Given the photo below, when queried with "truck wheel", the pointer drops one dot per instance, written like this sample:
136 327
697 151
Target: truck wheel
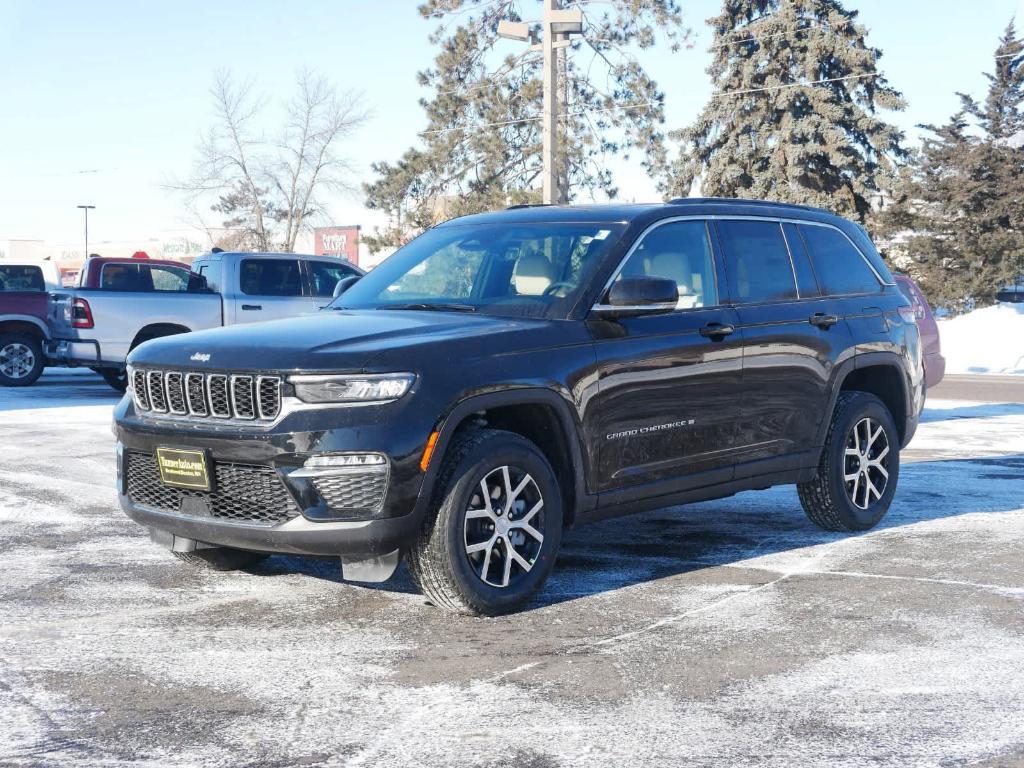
115 377
221 558
859 467
491 541
21 359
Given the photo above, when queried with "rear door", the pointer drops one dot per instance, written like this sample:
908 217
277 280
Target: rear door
792 340
270 288
665 414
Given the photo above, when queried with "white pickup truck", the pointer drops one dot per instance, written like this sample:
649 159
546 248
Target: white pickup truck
98 326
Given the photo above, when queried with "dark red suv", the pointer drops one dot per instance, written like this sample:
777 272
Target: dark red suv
934 362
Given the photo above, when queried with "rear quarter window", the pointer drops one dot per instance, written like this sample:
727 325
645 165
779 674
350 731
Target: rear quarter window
840 267
25 278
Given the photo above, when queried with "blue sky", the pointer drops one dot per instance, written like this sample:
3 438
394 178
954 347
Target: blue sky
100 102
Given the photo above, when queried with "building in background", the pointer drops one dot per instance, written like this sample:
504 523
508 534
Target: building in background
337 241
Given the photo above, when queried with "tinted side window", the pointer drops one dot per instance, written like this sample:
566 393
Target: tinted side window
757 260
22 279
325 275
121 277
271 277
840 268
169 279
805 279
678 251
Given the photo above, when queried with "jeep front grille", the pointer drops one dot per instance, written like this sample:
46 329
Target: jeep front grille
207 395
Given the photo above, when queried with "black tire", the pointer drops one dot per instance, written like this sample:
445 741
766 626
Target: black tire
828 500
439 561
117 378
221 559
21 359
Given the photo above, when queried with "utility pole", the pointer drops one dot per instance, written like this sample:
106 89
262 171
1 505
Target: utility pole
86 209
556 27
552 193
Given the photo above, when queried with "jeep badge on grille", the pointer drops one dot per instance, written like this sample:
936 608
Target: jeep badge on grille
200 357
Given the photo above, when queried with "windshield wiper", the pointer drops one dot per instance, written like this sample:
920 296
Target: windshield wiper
431 307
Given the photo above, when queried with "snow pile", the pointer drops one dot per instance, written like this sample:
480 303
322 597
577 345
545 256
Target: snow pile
989 340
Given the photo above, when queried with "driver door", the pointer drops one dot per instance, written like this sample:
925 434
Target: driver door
668 397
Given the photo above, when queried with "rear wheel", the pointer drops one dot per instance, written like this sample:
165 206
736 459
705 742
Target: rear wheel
492 541
859 467
115 377
221 558
21 359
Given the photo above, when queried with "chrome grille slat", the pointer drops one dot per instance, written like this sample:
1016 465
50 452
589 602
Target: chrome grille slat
140 390
243 400
268 396
157 394
195 391
174 385
220 402
242 397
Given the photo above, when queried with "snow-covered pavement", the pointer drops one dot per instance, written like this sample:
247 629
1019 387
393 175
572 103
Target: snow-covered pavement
730 632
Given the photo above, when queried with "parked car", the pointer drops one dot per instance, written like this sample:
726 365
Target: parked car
124 303
934 362
509 374
24 304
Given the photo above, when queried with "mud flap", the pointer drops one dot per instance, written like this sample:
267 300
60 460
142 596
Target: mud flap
370 569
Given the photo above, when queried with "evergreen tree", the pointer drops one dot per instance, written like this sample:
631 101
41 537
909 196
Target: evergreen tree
956 224
793 116
481 148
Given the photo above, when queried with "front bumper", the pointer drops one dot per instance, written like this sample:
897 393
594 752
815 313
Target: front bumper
278 453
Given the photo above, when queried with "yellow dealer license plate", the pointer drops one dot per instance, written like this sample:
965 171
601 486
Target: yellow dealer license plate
183 468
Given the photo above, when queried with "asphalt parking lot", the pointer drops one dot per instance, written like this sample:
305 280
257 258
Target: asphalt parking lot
730 632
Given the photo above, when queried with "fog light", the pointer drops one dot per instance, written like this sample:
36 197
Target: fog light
341 461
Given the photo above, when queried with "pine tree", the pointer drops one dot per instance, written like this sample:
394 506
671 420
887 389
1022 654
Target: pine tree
793 116
956 224
481 148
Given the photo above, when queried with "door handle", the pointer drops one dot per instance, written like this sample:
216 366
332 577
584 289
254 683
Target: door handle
717 330
252 307
821 320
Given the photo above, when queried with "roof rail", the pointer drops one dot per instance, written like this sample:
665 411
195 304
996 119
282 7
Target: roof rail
525 205
742 200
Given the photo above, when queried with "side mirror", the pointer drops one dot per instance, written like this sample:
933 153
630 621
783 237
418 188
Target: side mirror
198 284
344 284
632 296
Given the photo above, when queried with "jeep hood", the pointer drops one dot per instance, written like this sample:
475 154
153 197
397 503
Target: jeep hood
350 340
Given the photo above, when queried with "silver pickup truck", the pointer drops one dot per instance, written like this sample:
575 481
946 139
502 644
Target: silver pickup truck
98 327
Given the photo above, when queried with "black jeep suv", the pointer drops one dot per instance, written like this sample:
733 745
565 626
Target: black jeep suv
509 374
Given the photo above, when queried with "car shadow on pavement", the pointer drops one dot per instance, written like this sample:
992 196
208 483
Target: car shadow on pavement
59 391
979 411
623 552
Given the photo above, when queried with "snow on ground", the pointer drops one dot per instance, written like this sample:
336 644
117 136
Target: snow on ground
730 632
988 340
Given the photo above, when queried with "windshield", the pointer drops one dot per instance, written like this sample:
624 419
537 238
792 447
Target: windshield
520 270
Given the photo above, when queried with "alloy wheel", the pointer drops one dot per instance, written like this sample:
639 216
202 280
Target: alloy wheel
866 473
503 524
16 360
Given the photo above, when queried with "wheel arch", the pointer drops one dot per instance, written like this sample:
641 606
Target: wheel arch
881 374
24 324
541 416
158 330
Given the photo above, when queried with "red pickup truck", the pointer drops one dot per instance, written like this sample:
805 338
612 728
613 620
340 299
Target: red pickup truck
24 305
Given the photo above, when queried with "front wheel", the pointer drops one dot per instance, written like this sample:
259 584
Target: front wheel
21 359
492 541
859 467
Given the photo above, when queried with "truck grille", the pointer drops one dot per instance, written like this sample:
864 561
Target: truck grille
207 395
243 493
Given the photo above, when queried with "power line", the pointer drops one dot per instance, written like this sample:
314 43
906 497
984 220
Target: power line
800 85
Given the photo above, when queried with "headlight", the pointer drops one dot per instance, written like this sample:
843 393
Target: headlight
376 388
